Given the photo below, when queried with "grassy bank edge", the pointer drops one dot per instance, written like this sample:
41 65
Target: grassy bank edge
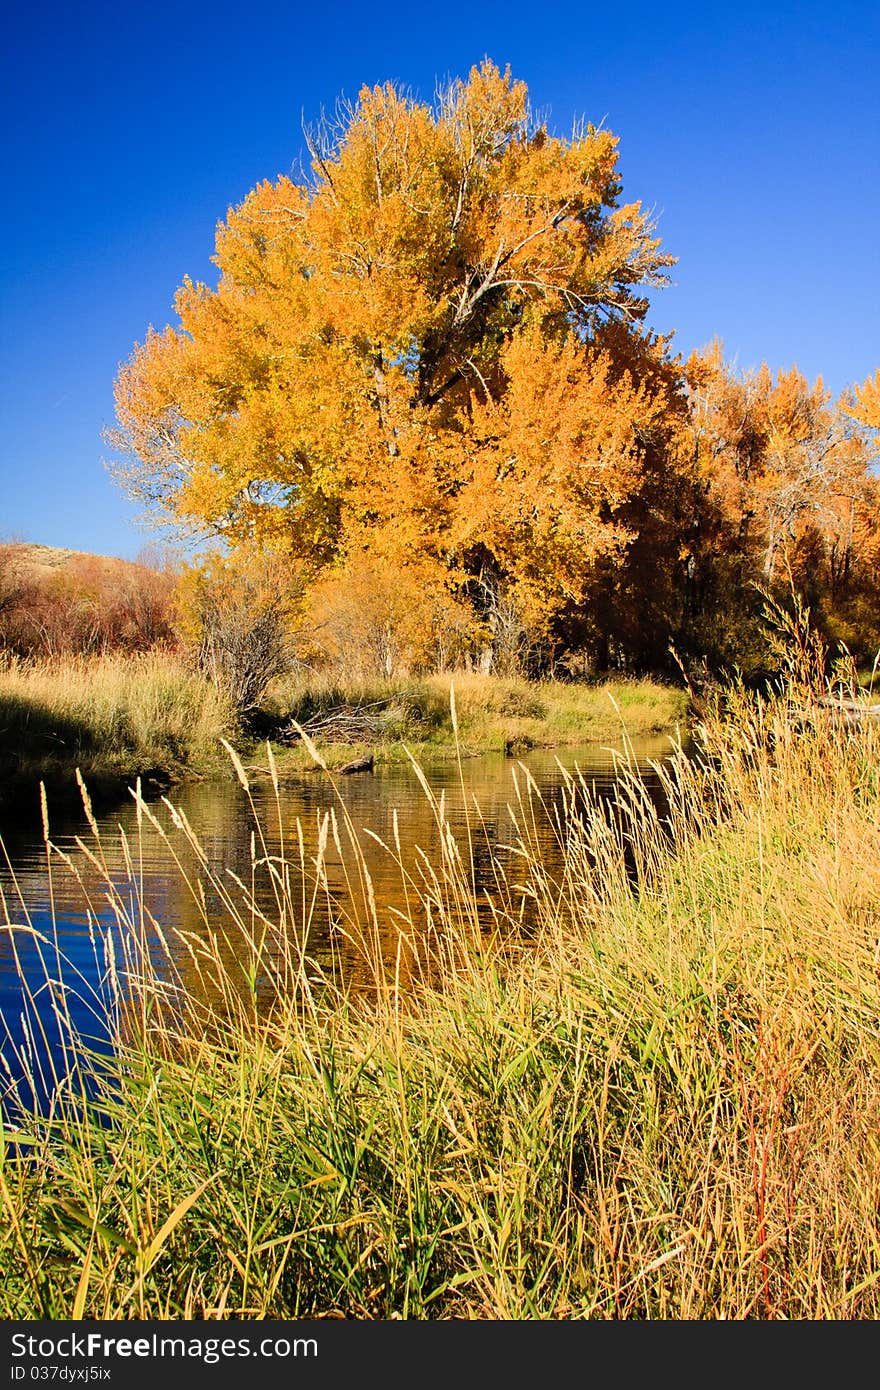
461 714
115 718
122 718
663 1105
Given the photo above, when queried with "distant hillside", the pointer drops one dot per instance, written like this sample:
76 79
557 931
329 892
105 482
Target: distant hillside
42 561
54 600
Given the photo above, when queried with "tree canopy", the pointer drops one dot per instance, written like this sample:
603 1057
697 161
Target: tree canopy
428 357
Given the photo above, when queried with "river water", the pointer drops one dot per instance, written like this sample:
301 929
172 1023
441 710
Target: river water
63 912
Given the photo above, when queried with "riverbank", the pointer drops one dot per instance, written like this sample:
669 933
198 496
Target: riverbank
115 718
122 717
663 1103
462 715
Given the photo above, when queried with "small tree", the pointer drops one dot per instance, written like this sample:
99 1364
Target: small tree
370 619
239 621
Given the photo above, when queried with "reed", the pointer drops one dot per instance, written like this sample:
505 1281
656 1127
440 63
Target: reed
645 1085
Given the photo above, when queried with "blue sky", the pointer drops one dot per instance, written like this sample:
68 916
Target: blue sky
752 131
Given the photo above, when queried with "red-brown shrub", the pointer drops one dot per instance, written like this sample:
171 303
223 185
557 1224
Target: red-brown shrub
85 604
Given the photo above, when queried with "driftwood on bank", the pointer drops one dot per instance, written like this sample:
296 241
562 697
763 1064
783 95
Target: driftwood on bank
850 711
342 724
845 713
364 764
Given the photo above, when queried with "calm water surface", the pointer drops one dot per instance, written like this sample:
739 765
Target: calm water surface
67 904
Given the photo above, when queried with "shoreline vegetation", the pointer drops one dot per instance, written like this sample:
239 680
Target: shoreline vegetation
115 718
660 1100
124 716
425 423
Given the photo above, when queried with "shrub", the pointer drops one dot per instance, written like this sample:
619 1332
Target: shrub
89 604
239 621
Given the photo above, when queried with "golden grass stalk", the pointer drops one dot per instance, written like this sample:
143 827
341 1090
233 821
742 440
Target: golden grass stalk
638 1079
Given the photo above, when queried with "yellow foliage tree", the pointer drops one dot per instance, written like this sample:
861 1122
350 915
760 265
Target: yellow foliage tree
367 619
240 619
864 404
428 352
789 497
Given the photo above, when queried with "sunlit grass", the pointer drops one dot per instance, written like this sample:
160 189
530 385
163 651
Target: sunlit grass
111 716
644 1085
495 715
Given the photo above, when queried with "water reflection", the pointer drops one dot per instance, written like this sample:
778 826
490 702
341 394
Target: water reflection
239 865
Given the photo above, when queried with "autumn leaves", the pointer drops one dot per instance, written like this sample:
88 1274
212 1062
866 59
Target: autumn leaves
428 360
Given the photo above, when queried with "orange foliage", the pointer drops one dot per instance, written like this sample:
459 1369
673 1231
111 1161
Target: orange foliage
388 343
423 375
369 619
790 499
865 407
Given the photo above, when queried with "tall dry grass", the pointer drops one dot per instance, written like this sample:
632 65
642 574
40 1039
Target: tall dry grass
111 716
495 714
642 1085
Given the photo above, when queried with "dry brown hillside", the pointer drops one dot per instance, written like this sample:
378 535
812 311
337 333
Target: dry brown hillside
42 561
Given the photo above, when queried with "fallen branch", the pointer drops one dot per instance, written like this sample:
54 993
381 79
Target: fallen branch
342 724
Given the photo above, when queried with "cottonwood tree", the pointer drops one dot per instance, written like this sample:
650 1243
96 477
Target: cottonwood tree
787 500
429 351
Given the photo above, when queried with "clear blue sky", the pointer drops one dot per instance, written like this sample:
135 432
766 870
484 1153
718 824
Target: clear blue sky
752 130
